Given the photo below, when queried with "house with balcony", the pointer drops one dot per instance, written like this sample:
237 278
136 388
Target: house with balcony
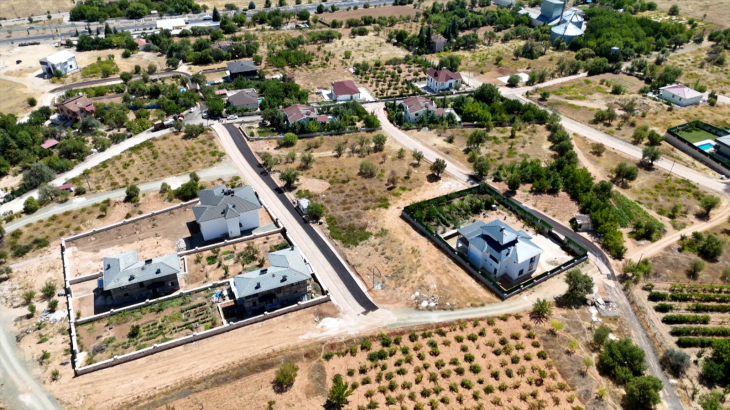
498 250
442 80
128 279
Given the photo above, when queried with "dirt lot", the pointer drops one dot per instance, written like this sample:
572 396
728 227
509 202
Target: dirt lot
671 265
580 99
315 375
394 254
151 237
102 339
25 8
718 13
696 68
653 189
153 160
15 97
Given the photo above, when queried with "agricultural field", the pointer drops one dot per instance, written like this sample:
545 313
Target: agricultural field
132 330
24 8
152 160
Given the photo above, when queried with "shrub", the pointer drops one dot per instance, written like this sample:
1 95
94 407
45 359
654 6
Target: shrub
467 384
621 360
285 375
663 307
686 319
675 361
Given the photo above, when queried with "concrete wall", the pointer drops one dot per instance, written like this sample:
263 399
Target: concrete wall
693 152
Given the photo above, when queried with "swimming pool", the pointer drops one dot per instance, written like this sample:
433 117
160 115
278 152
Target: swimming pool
706 146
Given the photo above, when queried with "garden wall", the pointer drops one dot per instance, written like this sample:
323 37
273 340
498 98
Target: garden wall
714 162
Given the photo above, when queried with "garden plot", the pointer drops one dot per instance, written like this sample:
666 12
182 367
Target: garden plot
152 236
136 329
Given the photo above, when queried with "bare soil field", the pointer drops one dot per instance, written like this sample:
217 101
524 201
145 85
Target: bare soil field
458 365
25 8
672 265
695 67
654 189
714 12
152 160
392 254
150 237
587 96
15 97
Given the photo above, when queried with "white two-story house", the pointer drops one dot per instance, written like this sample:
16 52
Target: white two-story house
497 249
442 80
226 213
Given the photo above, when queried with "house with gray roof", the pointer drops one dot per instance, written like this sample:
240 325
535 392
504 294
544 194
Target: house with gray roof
283 283
498 250
127 279
226 212
243 68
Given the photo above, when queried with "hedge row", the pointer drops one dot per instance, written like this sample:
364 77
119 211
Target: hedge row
664 307
700 331
658 296
700 288
701 307
699 297
695 342
688 319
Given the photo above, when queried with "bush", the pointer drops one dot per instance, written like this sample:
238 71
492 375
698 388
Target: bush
686 319
676 362
289 140
621 361
663 307
658 296
30 205
368 169
285 376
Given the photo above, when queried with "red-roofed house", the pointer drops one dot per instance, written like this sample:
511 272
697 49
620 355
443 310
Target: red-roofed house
416 107
441 80
345 91
303 113
76 108
67 187
140 43
221 92
49 143
681 95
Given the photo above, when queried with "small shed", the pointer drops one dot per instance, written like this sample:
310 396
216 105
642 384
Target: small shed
67 187
49 143
583 222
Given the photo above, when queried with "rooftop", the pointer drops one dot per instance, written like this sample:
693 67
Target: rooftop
245 97
49 143
502 239
346 87
418 103
297 112
287 267
243 66
78 103
59 57
124 269
681 90
221 202
443 76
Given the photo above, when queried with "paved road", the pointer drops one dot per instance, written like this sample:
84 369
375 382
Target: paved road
598 256
19 389
223 170
344 288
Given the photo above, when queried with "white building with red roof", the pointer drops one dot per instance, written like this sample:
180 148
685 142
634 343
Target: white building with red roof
303 113
681 95
442 80
417 107
345 91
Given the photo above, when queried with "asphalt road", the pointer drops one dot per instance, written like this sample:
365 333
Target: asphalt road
353 288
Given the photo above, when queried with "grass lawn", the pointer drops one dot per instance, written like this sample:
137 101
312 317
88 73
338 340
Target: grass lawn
697 135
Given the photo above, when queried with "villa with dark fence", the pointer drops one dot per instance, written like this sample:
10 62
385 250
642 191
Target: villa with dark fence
704 142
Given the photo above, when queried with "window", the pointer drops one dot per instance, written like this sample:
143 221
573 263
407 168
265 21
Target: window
521 272
532 259
141 285
493 258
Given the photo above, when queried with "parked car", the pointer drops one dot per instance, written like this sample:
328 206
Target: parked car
232 117
205 115
193 108
31 27
207 17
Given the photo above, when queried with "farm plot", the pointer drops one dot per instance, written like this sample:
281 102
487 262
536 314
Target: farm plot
132 330
490 363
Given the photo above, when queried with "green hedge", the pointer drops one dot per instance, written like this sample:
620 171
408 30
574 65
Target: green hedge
699 297
658 296
700 331
701 307
700 288
686 342
664 307
686 319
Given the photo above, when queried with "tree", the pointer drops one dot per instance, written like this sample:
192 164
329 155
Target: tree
675 362
32 101
621 361
417 156
30 205
438 166
481 166
28 296
216 14
673 10
579 285
151 69
172 62
655 138
251 5
650 155
368 169
289 140
132 193
48 290
695 267
216 105
708 203
307 159
31 310
716 369
712 401
514 181
315 211
642 393
573 346
379 142
725 277
136 11
600 335
126 76
339 392
290 176
134 331
513 80
53 305
640 134
588 363
624 172
541 310
38 174
285 375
